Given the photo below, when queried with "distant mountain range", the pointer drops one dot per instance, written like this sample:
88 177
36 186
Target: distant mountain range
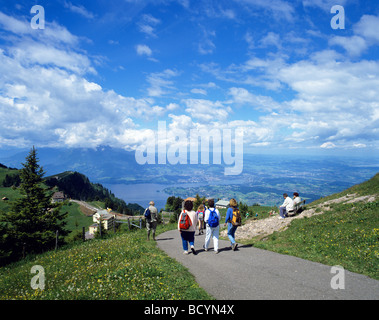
109 165
264 178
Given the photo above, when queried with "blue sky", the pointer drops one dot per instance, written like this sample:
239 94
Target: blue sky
105 72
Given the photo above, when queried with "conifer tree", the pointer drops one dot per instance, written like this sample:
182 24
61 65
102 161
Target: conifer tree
33 220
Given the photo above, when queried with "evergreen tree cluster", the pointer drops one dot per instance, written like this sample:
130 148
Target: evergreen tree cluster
33 222
174 204
11 180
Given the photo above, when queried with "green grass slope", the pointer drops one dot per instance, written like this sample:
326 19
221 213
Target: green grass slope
346 235
122 267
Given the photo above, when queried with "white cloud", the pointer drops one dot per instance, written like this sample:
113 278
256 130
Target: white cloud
46 99
359 145
79 10
328 145
278 8
52 34
365 35
143 49
325 5
368 27
160 83
271 39
206 110
199 91
206 44
147 25
172 106
354 45
243 96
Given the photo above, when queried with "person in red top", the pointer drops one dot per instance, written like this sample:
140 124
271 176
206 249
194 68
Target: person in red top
188 235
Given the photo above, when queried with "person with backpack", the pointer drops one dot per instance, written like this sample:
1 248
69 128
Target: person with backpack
212 220
233 220
151 217
200 216
187 226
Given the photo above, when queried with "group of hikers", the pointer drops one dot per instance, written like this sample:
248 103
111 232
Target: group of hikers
189 220
210 217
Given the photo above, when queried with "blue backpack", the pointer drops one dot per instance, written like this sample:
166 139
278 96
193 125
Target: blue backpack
147 214
213 219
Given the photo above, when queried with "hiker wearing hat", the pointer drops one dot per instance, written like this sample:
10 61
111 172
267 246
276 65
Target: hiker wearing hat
151 216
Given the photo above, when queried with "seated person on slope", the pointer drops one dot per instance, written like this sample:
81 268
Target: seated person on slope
286 207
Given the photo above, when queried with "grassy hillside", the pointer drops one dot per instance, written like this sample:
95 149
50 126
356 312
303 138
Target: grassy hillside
346 235
124 266
77 186
8 192
75 220
369 187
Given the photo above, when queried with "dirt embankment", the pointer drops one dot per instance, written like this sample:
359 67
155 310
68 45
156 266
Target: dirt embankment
269 225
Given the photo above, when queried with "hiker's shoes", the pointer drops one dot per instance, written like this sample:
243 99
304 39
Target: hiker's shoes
234 246
193 250
205 249
185 252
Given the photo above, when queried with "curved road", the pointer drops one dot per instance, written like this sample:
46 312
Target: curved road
254 274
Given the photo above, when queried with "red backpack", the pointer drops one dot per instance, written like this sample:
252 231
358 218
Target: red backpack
185 221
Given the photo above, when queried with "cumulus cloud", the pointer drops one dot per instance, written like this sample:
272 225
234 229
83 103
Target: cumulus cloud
326 99
207 110
365 35
46 97
243 96
328 145
161 83
143 49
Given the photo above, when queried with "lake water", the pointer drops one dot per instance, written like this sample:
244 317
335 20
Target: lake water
312 177
140 193
143 193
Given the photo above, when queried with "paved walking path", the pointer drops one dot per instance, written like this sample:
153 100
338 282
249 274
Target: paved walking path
252 274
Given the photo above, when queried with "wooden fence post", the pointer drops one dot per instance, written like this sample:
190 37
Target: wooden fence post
56 240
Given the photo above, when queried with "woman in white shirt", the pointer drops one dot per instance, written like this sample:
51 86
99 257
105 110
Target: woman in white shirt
296 198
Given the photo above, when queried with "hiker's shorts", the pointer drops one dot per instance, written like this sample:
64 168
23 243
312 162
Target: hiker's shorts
151 225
